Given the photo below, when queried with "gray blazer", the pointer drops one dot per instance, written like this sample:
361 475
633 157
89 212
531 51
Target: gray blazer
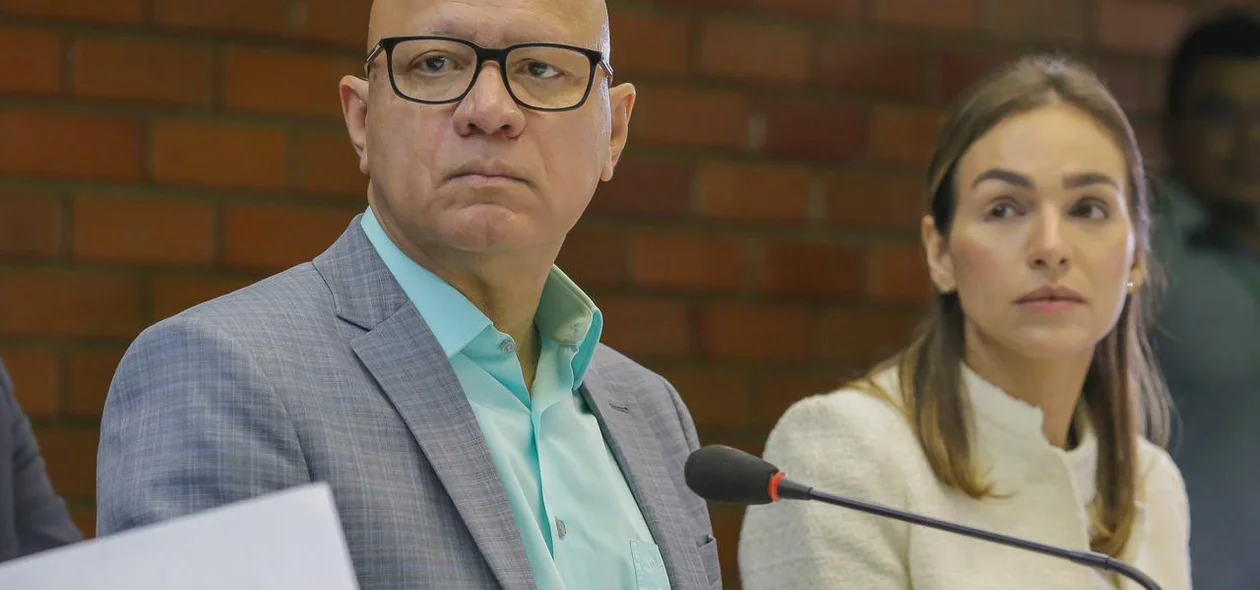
327 372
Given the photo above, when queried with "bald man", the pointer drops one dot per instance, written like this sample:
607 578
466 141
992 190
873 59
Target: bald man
433 365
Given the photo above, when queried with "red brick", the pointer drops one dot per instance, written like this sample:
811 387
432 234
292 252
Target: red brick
244 16
688 261
775 393
872 66
143 230
647 187
741 332
173 294
1023 20
141 70
56 303
716 397
726 527
955 15
755 52
1136 84
85 519
341 22
796 268
645 43
284 82
863 337
36 381
691 118
904 135
595 256
1147 27
722 4
41 143
88 376
814 129
898 274
868 198
30 61
328 166
70 457
754 193
838 10
959 70
30 225
213 153
261 236
110 11
653 327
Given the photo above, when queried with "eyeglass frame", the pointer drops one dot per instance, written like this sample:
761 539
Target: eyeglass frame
386 45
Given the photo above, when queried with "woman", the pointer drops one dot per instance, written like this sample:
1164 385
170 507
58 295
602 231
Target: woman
32 517
1022 405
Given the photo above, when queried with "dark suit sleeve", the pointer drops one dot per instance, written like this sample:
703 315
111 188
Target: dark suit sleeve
41 519
191 422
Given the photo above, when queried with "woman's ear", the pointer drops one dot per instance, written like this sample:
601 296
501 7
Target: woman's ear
940 263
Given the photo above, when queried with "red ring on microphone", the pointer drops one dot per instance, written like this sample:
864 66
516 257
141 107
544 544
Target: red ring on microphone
774 485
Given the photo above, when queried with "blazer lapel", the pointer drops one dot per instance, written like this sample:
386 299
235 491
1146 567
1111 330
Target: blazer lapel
637 451
413 371
400 351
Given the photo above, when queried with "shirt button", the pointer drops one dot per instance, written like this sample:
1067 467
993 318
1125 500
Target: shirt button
560 530
508 347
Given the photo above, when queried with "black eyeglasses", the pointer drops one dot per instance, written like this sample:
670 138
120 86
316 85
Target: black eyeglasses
442 70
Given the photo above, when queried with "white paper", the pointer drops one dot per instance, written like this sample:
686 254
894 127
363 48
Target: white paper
288 539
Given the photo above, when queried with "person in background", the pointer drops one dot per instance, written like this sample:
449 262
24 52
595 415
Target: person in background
1207 338
33 517
1022 405
434 366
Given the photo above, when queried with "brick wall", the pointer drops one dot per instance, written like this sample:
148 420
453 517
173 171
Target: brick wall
757 245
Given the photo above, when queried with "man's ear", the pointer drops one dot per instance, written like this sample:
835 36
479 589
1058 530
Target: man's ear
621 100
354 101
940 262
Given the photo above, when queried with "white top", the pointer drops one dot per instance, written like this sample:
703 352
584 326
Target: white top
857 445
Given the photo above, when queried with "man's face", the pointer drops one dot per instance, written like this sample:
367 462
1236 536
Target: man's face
484 174
1215 146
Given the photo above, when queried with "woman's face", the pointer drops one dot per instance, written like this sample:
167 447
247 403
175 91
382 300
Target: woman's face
1042 248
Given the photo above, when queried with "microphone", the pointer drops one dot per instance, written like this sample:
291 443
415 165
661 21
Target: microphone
730 476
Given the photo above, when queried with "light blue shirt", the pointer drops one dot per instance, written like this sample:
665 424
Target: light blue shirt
580 524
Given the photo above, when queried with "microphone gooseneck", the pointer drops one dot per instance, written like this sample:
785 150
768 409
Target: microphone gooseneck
730 476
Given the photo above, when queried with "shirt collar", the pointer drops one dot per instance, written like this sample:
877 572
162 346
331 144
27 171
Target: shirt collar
566 314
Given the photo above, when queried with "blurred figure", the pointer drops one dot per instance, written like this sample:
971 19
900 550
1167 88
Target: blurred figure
32 517
1208 331
433 365
1021 406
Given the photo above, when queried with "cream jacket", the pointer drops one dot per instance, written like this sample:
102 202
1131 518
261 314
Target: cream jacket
855 444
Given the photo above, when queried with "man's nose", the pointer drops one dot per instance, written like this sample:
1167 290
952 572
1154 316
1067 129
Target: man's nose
488 107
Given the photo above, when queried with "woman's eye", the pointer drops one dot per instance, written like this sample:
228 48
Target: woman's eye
1002 210
1090 209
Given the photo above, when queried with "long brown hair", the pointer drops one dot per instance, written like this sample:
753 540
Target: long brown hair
1124 394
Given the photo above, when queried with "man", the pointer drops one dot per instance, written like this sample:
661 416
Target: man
32 517
1208 335
433 365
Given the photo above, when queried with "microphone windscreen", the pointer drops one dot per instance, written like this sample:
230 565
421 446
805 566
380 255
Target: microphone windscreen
722 474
